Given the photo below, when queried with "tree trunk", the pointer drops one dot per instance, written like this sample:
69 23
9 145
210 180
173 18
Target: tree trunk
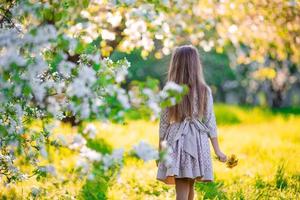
277 99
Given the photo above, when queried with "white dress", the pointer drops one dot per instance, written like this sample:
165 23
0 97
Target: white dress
190 147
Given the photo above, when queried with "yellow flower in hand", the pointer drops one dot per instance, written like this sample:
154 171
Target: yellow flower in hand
232 161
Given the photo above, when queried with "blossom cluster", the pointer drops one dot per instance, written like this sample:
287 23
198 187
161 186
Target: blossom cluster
139 24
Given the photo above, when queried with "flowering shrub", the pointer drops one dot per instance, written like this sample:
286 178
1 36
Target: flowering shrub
47 75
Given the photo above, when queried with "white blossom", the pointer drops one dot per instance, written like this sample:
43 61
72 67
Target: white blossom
117 154
107 35
148 92
53 106
121 74
85 109
107 161
128 1
65 67
87 74
115 158
83 164
123 98
35 191
38 89
61 138
144 151
91 176
114 19
96 57
134 99
81 86
78 88
170 85
173 100
10 56
48 169
43 151
90 154
78 142
91 130
154 107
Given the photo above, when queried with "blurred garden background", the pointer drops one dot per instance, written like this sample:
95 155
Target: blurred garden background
83 84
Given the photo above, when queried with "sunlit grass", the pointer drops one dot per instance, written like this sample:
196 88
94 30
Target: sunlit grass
267 145
261 140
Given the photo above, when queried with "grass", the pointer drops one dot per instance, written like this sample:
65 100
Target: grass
266 142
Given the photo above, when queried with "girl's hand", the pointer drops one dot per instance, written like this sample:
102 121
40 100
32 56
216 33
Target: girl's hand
221 156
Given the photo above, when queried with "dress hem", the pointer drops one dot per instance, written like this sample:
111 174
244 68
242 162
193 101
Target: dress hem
170 180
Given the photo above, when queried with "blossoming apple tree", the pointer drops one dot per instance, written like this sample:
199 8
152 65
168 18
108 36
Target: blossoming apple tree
260 37
49 75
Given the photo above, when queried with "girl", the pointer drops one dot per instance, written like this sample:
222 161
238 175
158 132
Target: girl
187 127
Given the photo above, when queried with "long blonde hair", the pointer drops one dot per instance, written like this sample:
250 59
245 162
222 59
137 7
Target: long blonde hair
185 68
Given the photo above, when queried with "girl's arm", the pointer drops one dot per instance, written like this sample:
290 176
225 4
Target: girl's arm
210 122
215 143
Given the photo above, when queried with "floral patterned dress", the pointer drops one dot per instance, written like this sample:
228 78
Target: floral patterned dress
189 154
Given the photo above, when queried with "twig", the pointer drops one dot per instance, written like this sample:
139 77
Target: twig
11 22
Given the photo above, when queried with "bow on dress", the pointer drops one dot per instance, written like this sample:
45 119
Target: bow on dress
188 129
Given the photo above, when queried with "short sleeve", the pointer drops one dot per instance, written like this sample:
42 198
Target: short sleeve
210 119
163 123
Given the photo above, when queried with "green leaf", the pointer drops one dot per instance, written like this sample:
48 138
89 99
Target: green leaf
85 3
58 16
48 14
